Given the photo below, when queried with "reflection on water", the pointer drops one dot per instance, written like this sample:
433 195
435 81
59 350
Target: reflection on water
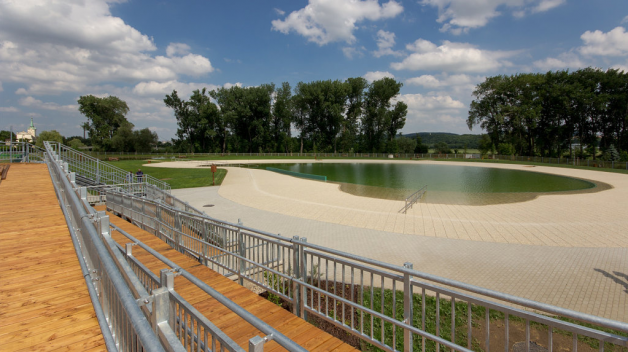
447 184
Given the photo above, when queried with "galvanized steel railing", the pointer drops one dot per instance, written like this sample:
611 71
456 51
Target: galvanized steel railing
136 310
413 198
387 306
103 173
16 152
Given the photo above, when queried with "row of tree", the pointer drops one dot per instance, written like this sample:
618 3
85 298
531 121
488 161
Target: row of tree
553 113
328 116
108 128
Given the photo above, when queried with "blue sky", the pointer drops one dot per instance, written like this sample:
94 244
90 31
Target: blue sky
52 52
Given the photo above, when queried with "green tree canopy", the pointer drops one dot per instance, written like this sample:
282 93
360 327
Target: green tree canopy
52 136
104 117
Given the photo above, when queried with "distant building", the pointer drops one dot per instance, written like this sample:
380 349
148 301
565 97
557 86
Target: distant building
30 135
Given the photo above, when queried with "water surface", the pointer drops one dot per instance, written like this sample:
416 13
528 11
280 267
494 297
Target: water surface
447 184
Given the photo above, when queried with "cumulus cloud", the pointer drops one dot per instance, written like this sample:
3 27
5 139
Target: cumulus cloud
38 104
352 52
435 112
429 81
458 16
8 109
72 45
326 21
451 57
377 75
563 61
385 43
613 43
625 20
177 49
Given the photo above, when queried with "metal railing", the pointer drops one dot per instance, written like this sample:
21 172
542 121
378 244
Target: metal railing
413 198
136 310
385 305
16 152
101 172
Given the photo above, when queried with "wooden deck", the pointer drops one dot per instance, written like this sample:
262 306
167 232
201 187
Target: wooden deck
300 331
44 303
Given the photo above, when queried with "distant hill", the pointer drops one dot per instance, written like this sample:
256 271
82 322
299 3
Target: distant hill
454 141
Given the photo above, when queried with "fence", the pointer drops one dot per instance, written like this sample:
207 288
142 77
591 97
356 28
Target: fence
387 306
136 310
17 152
536 159
102 173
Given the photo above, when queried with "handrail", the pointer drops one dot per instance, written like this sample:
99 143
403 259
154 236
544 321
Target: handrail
119 294
259 324
237 248
88 166
413 198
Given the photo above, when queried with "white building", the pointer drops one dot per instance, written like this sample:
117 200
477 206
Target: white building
30 135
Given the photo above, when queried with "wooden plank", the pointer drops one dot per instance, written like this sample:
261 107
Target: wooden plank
235 327
44 303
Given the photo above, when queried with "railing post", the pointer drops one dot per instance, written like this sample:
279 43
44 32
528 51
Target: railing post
407 307
296 298
161 308
256 344
241 252
303 275
166 279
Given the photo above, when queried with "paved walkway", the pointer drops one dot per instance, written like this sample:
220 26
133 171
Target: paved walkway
566 250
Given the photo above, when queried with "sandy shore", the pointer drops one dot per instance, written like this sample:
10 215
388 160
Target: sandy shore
568 220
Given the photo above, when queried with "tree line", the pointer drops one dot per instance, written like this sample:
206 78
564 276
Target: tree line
326 116
579 113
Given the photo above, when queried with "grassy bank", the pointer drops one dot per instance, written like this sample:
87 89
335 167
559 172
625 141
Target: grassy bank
177 178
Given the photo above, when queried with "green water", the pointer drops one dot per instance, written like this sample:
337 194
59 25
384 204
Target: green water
450 184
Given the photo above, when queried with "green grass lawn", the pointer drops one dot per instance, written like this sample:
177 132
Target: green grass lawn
177 178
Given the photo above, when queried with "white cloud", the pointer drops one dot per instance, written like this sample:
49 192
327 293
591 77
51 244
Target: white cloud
546 5
1 89
280 12
377 75
38 104
326 21
385 43
8 109
429 81
439 112
177 49
451 57
563 61
613 43
458 16
74 45
352 52
625 20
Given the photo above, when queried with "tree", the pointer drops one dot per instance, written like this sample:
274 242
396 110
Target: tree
75 143
406 145
442 148
122 141
420 147
351 123
145 140
283 114
485 144
51 136
104 117
378 121
6 135
198 121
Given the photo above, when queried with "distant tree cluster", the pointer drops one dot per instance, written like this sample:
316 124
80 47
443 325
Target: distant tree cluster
108 128
553 113
328 116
